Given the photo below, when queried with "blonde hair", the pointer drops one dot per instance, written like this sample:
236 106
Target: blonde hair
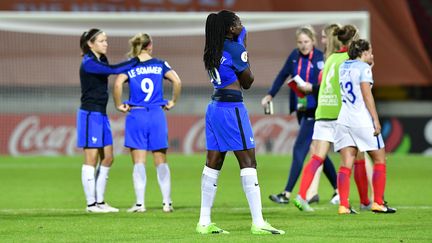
333 44
307 30
138 43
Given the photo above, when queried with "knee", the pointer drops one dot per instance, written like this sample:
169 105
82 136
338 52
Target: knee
248 164
107 161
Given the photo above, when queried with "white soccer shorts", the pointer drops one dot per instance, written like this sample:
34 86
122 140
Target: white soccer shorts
362 138
324 130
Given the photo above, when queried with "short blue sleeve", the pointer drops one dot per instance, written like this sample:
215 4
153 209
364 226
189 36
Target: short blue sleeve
239 57
165 67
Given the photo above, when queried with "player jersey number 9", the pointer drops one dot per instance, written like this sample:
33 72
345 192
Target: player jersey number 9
147 87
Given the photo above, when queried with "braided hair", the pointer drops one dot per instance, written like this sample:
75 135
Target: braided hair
217 26
357 47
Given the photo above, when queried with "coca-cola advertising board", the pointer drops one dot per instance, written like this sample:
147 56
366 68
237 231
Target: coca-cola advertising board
47 134
52 135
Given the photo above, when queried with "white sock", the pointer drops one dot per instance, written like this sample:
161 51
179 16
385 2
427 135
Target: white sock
139 180
88 182
208 192
101 181
251 188
164 179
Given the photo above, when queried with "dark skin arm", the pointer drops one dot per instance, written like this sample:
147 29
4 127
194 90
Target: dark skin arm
246 78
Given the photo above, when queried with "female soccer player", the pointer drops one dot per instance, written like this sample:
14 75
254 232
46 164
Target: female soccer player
228 127
329 104
93 127
331 45
307 62
146 125
358 127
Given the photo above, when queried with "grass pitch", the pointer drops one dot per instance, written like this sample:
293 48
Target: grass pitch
42 201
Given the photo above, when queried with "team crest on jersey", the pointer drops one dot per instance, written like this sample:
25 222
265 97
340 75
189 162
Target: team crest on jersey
320 65
244 56
368 72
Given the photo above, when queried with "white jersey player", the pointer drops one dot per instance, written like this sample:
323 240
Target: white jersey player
354 114
358 127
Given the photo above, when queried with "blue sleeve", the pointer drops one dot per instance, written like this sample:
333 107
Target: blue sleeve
239 58
92 65
165 67
242 36
282 76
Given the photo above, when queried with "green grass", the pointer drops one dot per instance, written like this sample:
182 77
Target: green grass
42 201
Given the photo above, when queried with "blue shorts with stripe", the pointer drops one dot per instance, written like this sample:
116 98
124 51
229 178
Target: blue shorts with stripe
93 129
228 127
146 129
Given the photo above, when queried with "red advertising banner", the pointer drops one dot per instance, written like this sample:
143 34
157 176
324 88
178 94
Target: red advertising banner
52 135
24 135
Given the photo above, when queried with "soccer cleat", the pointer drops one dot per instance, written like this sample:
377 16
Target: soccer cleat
365 207
345 210
105 206
95 209
279 198
302 204
335 199
167 208
137 209
266 229
376 208
314 199
210 229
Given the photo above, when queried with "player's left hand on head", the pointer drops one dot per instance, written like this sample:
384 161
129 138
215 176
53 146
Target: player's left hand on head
241 39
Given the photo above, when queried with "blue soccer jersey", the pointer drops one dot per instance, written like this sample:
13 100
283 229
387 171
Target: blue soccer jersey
146 126
146 83
234 61
228 127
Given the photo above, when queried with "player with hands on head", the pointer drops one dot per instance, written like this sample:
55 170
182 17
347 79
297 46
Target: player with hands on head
228 127
146 126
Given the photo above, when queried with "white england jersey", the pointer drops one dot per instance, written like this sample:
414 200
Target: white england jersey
354 112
